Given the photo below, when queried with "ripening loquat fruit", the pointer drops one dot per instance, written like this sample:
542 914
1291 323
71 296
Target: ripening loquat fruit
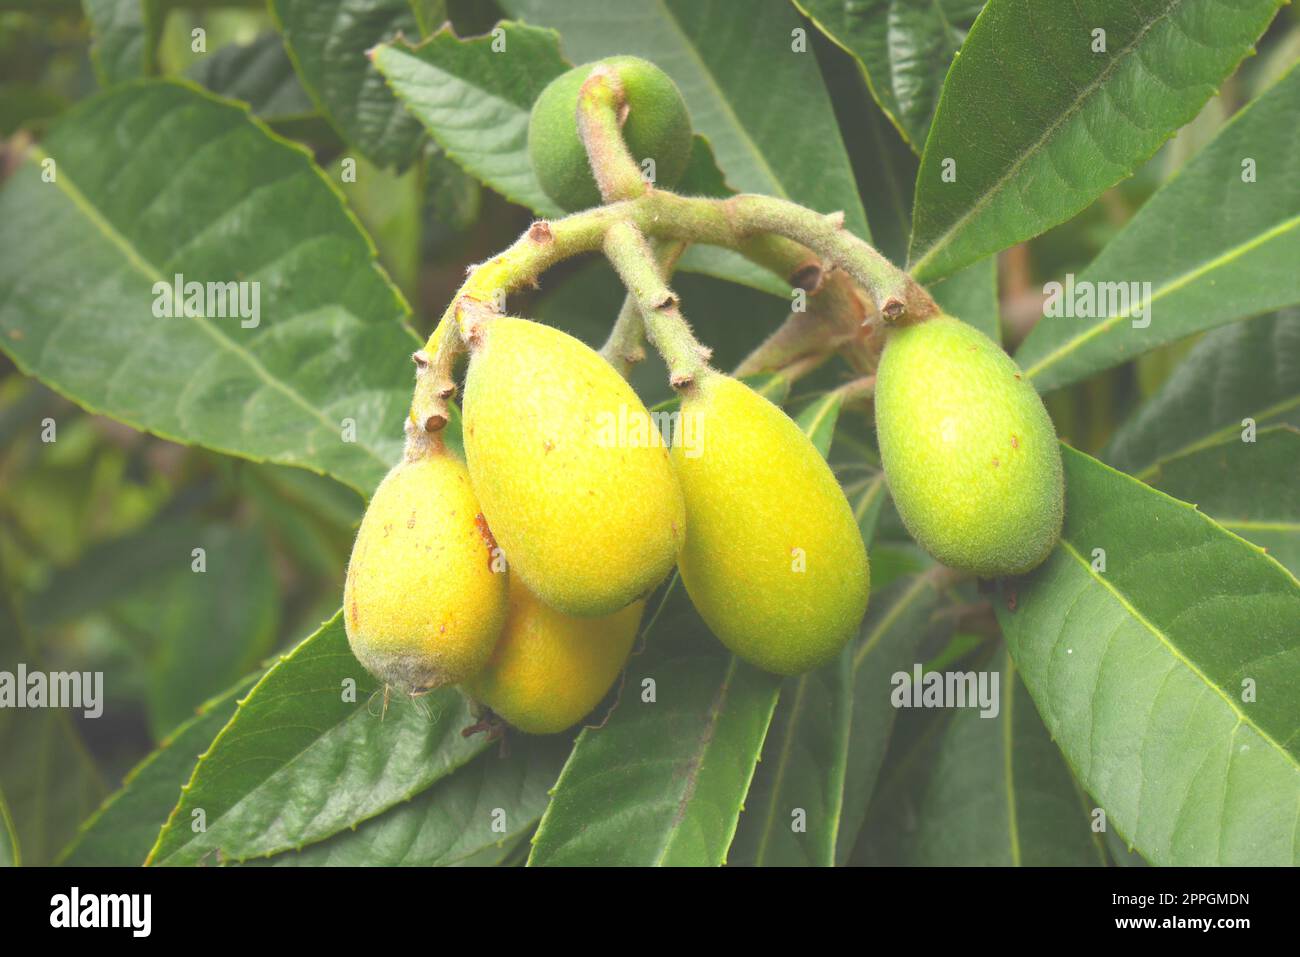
424 600
551 669
577 491
774 560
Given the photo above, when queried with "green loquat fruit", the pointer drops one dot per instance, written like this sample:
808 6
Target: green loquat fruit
969 451
657 127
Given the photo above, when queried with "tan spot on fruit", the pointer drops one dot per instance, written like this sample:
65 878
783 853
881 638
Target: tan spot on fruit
486 534
1015 441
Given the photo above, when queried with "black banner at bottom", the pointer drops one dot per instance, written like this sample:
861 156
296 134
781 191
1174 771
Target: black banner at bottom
336 906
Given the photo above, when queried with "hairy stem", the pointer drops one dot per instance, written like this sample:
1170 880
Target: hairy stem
665 326
625 346
895 293
602 110
834 320
732 223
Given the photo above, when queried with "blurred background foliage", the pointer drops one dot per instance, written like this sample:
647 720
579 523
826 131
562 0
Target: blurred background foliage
91 524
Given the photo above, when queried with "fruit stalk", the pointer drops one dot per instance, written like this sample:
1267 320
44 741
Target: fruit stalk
836 319
435 383
665 326
895 293
625 346
731 223
602 108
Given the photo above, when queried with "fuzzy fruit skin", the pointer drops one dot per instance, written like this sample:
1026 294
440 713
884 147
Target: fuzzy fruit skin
550 669
587 521
658 126
969 451
758 490
422 606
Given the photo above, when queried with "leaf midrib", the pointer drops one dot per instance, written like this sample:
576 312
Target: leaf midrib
922 582
1216 437
154 275
1084 94
1178 282
705 740
1177 653
787 745
747 141
1008 748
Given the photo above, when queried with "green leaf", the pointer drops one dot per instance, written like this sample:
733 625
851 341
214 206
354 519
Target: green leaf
702 176
429 14
10 854
388 205
904 49
475 102
867 499
1167 679
112 571
1121 855
1249 370
453 200
1039 125
999 793
1213 247
889 831
662 781
818 420
126 825
328 41
312 751
471 817
259 73
206 629
972 296
49 780
886 174
159 178
762 106
125 36
829 737
883 164
1250 488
